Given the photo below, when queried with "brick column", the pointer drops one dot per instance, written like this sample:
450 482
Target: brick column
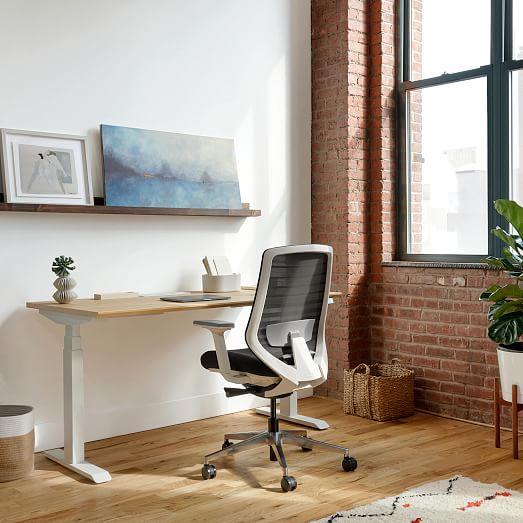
340 203
381 130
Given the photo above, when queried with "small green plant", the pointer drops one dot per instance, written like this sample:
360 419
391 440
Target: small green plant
505 314
63 266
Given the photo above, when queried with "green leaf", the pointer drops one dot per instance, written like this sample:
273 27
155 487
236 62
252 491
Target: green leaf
508 265
493 262
504 236
62 266
512 212
485 295
493 308
512 255
508 307
510 290
507 329
519 246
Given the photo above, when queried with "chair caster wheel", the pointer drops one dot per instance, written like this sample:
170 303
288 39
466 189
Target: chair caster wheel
349 464
226 444
288 483
306 449
208 471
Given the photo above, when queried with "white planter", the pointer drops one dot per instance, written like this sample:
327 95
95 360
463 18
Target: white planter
64 292
510 364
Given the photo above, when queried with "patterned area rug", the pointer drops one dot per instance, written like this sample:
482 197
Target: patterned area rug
449 500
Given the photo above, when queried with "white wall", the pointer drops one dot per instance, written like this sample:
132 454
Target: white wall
233 68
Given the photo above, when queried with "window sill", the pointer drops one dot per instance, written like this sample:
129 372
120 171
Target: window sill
438 265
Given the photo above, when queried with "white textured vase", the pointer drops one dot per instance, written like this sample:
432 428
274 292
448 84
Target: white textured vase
64 292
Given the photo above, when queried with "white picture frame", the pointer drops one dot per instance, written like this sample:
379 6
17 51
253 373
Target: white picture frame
45 168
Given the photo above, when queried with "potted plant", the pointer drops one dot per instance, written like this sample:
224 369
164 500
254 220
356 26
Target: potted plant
505 314
62 267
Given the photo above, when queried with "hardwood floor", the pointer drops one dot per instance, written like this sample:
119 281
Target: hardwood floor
156 474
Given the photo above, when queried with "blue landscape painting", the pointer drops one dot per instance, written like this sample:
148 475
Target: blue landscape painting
158 169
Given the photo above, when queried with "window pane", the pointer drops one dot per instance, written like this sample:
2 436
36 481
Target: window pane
517 136
449 36
447 168
517 18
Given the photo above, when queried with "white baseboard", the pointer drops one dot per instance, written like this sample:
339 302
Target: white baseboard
116 422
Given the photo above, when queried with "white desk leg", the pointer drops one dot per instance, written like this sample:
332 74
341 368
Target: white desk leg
289 412
72 456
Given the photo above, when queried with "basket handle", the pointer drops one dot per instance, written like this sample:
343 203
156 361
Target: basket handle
395 361
359 367
366 388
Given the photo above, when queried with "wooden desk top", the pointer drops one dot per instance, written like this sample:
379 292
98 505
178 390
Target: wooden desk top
144 305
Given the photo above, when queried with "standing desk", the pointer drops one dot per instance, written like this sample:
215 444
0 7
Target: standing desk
81 311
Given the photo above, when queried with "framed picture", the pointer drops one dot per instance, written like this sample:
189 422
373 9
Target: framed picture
45 168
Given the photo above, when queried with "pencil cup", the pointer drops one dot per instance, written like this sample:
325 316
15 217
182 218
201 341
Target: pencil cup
221 283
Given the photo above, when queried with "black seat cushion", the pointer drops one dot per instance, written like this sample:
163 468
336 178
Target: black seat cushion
242 360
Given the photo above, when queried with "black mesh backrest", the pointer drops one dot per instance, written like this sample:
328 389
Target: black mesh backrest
296 292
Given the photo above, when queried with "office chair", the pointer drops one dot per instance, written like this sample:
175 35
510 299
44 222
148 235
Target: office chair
286 350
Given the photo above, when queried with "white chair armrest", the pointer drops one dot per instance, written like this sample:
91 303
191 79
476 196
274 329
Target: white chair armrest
306 367
214 324
218 329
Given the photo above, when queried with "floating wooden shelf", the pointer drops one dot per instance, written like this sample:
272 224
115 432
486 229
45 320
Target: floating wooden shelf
100 208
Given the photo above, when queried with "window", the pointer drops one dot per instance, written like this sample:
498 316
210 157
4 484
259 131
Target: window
460 124
517 41
516 102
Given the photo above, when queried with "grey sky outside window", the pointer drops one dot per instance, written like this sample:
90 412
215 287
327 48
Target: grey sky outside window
517 105
450 216
518 29
451 40
517 134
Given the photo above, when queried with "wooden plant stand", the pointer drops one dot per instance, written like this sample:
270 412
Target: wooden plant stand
516 408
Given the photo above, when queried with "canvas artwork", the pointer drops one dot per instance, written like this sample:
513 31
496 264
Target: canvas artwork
158 169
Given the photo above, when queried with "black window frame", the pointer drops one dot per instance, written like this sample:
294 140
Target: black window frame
497 74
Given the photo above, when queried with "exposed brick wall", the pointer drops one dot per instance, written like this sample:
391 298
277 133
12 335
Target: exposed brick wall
428 317
431 319
340 170
381 131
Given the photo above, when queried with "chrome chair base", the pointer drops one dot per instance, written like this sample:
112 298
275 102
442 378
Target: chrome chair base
274 439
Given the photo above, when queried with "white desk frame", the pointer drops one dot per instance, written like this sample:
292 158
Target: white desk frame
288 411
72 456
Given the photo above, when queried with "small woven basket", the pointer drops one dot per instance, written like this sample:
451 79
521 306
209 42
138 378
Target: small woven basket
17 441
381 391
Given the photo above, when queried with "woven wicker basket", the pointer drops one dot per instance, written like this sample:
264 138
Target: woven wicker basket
381 391
17 441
